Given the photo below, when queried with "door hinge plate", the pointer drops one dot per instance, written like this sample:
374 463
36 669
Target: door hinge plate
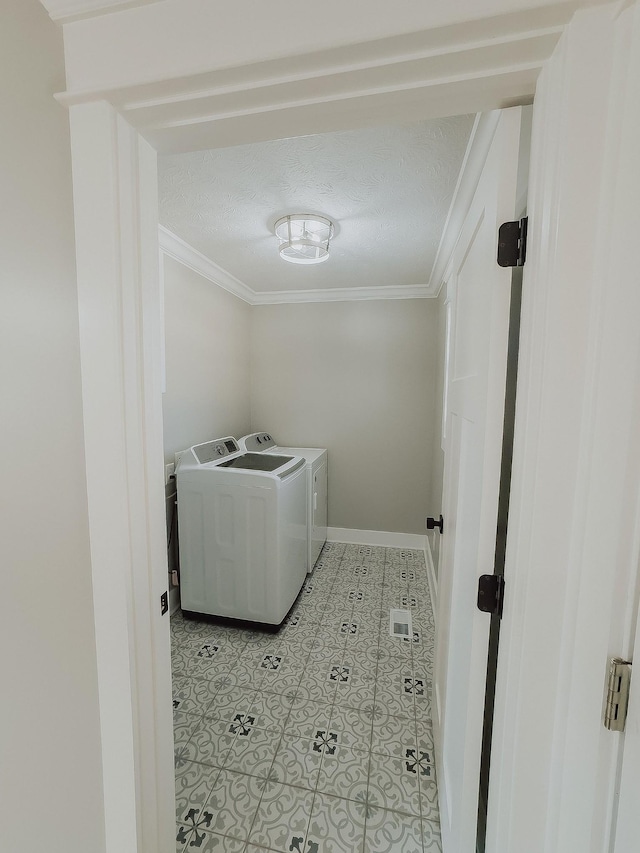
618 683
432 524
512 243
490 594
164 603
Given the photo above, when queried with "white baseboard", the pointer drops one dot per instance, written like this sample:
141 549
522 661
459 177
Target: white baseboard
415 541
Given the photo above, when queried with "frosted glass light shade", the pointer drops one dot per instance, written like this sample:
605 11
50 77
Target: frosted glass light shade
304 238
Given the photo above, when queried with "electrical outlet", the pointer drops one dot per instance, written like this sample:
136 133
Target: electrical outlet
169 471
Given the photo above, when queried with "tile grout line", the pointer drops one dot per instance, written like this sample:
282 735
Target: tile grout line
267 779
221 769
315 792
306 834
277 751
375 694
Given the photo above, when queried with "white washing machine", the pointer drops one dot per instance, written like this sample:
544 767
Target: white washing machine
242 527
316 459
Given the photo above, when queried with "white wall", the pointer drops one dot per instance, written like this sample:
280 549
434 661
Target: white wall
50 766
357 378
207 360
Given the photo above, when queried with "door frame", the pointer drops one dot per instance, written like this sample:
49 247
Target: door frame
115 188
117 251
489 205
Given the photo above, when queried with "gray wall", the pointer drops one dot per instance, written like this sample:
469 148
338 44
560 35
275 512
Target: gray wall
207 353
50 761
359 379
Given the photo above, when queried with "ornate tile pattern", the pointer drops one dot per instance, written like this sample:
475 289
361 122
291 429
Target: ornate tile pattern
320 734
242 724
325 742
414 685
341 674
414 639
419 762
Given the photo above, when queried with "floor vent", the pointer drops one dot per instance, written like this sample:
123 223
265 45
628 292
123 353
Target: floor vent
400 623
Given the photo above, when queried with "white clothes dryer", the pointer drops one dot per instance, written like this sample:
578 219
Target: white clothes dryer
242 527
317 492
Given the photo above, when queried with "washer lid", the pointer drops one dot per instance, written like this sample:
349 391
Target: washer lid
256 462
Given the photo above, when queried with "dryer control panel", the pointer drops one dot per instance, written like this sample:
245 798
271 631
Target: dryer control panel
259 441
211 451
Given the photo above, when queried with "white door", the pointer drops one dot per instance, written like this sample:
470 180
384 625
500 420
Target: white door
480 297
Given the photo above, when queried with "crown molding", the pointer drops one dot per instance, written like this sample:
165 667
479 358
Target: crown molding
344 294
64 11
475 157
192 96
178 249
181 251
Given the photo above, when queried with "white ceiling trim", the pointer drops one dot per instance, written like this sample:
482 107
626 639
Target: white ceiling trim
475 156
482 64
521 51
178 249
72 10
328 97
344 294
496 40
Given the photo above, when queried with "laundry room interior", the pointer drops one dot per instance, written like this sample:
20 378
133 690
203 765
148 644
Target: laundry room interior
348 356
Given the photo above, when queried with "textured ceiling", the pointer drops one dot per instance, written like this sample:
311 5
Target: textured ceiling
388 189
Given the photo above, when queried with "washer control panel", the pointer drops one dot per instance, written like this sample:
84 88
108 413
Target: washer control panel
211 451
259 441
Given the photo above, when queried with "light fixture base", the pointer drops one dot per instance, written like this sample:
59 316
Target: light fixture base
304 237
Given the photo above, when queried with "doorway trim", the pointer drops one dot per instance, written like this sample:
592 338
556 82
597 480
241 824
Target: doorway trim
116 220
115 197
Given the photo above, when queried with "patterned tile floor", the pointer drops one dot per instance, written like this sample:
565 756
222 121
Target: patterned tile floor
316 739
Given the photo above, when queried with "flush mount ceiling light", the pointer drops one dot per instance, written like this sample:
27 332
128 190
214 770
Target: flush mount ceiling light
304 238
